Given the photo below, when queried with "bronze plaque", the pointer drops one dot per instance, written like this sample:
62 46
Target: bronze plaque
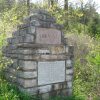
48 36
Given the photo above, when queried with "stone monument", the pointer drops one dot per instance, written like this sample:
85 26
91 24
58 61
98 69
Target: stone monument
42 59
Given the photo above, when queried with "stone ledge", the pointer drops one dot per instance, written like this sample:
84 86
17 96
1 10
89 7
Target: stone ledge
42 57
27 75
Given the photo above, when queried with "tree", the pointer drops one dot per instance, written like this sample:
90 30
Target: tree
66 5
28 7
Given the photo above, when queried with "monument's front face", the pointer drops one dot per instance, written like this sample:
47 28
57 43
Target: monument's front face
42 61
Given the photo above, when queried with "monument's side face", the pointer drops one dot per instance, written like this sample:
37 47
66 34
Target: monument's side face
42 60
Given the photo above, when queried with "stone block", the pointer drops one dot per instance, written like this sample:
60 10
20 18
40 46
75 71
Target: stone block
26 83
43 51
15 63
48 36
45 96
30 91
26 51
71 50
69 71
69 91
28 38
69 84
27 65
44 89
16 33
57 49
69 77
10 77
9 40
11 70
68 63
22 74
35 23
31 30
53 57
23 32
56 86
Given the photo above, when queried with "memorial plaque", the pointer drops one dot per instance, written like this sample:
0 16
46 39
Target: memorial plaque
51 72
48 36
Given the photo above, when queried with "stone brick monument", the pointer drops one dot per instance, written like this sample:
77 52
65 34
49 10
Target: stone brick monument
42 60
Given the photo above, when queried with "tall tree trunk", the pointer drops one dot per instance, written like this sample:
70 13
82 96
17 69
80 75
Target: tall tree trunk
28 7
66 5
66 14
52 3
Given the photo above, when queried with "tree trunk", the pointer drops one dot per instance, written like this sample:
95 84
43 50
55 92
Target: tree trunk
66 5
28 7
66 14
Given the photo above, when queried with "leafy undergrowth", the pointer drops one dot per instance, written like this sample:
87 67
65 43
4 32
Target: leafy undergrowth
11 92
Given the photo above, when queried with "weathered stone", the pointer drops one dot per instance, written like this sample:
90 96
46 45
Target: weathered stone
32 74
30 91
43 51
56 86
16 33
69 71
26 83
45 96
71 50
9 40
69 77
11 70
31 30
57 50
15 63
68 63
44 89
69 84
42 57
27 65
23 32
69 91
48 36
10 77
27 39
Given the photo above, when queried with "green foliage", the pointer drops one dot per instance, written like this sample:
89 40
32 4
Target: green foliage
87 69
94 25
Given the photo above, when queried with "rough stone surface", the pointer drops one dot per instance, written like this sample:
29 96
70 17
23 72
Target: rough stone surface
28 74
48 36
27 83
27 65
